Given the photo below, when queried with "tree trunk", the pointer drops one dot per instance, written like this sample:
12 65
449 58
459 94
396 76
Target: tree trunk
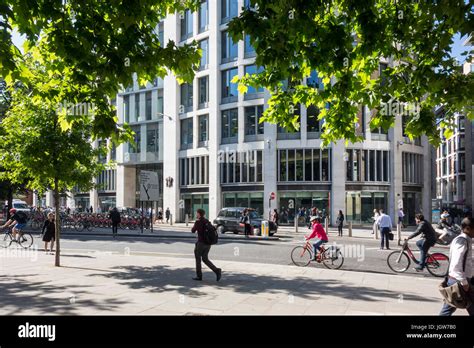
57 222
10 202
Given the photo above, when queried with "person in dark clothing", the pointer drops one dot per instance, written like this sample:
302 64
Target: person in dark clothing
245 219
427 240
49 232
114 216
275 217
201 250
167 215
340 222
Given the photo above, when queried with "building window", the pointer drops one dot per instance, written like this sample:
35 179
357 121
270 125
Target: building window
152 144
186 25
136 146
113 152
137 107
412 168
229 126
247 166
249 49
187 96
126 108
194 171
161 33
252 125
284 134
252 70
102 156
229 48
187 133
379 134
204 46
314 81
312 122
304 165
106 181
159 101
203 16
229 10
203 130
383 74
229 89
148 106
203 83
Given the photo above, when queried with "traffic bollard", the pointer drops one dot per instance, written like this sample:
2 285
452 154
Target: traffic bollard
375 231
399 233
350 228
186 219
296 225
171 219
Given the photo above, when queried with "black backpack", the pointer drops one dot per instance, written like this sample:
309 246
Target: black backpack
210 234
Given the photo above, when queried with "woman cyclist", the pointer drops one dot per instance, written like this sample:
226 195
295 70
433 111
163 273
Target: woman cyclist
317 232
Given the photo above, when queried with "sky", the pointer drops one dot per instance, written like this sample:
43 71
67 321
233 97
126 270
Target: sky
456 48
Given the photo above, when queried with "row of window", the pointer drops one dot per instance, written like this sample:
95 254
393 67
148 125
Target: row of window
367 165
229 10
412 165
107 180
242 167
148 106
152 139
187 131
194 170
452 165
304 165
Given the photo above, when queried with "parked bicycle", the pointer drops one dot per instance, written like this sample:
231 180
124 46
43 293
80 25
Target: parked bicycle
437 263
24 239
331 257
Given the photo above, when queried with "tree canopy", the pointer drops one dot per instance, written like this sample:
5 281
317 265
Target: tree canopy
102 44
344 41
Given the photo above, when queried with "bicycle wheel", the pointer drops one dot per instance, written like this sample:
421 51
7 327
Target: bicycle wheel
79 226
6 240
437 264
26 240
332 258
301 256
398 265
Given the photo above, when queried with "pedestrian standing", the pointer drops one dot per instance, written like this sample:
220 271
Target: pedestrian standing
167 215
375 218
275 217
340 222
460 265
160 216
91 210
49 232
114 216
385 224
401 215
245 219
201 250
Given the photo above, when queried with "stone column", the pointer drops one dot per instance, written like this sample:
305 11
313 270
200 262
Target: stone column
338 187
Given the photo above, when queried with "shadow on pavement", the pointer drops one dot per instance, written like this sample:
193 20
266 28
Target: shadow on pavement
53 299
161 279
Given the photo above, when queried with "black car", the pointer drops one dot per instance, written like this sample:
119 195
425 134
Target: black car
228 219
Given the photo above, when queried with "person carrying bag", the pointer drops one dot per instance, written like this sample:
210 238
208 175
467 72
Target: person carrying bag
457 288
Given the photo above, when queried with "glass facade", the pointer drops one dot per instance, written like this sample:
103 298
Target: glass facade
187 133
229 48
252 200
193 202
291 202
304 165
360 206
229 124
229 89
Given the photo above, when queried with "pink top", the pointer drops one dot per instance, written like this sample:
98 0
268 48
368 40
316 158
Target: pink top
318 232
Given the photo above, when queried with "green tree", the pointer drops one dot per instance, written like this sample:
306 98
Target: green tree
48 146
344 41
103 43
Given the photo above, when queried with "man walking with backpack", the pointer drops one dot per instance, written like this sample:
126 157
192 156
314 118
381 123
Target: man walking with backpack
205 230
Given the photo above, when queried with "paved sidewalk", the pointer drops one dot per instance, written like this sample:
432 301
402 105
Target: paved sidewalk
105 283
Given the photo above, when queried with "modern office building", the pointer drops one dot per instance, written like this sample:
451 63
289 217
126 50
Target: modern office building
209 150
214 153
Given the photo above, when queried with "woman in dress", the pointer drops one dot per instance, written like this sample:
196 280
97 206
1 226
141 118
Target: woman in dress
49 231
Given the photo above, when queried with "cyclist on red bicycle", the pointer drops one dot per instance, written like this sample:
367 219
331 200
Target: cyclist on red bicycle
318 232
19 219
427 240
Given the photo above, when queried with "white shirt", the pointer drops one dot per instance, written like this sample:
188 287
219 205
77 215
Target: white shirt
384 220
456 256
400 213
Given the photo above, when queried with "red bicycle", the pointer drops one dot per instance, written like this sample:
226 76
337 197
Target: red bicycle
331 257
399 261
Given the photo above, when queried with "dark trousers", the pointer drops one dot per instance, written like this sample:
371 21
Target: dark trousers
447 310
339 229
201 252
114 228
247 229
384 237
424 246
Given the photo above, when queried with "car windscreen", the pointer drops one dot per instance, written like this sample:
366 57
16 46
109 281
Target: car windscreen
20 206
